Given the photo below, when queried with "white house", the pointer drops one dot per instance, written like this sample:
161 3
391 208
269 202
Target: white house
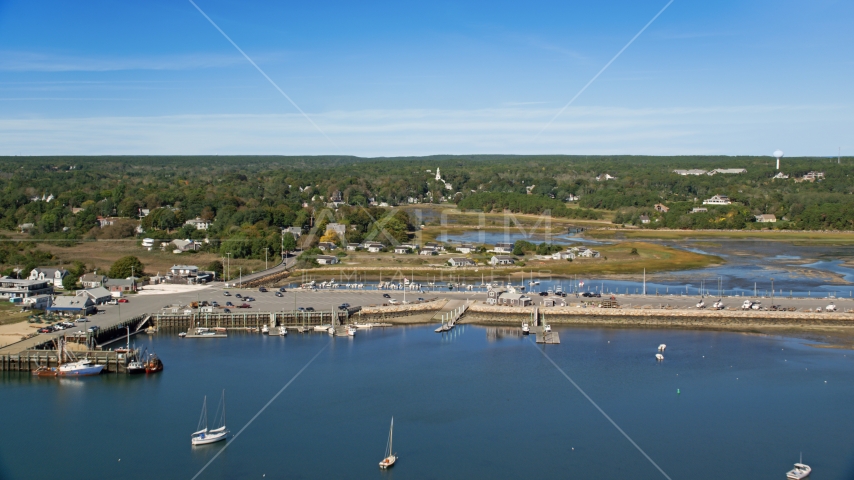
402 249
352 247
718 200
466 248
587 253
693 171
326 246
373 247
501 260
53 276
514 299
327 259
92 280
181 246
699 210
503 248
728 171
766 218
567 255
39 302
198 223
428 251
605 176
461 262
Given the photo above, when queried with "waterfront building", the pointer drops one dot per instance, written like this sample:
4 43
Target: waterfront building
461 262
766 218
327 259
501 260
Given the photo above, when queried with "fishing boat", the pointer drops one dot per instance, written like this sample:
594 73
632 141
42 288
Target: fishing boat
80 368
265 329
205 436
525 329
153 364
135 367
281 331
390 456
351 330
800 471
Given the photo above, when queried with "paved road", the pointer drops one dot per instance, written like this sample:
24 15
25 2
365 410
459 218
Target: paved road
288 263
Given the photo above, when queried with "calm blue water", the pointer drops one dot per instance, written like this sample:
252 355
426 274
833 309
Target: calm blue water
464 407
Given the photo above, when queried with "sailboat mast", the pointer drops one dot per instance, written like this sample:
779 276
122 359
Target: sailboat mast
223 408
390 438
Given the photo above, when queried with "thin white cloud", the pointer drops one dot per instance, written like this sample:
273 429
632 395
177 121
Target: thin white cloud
14 61
747 129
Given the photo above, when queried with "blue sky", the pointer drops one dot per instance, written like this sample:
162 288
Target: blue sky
395 78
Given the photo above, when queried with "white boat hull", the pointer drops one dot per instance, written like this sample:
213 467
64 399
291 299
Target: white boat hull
388 461
210 437
74 370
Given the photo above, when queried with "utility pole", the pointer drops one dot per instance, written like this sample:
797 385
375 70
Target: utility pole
266 252
772 290
228 266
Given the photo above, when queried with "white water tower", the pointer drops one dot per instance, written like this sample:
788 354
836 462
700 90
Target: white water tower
777 154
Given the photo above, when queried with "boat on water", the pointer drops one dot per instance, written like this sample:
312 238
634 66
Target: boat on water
390 456
364 325
351 330
800 471
205 436
547 328
182 334
525 329
281 331
662 347
44 372
659 357
701 304
265 329
80 368
322 328
135 367
153 364
220 329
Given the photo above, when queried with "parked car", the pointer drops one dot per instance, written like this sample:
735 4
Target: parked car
282 289
214 304
45 330
226 294
93 328
113 302
82 319
226 310
262 289
309 309
229 304
345 305
238 295
342 307
249 299
123 300
385 295
544 294
279 294
420 299
392 301
301 309
244 305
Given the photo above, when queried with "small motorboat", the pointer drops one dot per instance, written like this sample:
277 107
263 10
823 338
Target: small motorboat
364 325
525 329
182 334
153 365
80 368
220 329
547 328
719 305
282 331
351 330
390 456
662 347
330 330
800 471
659 357
44 372
265 329
322 328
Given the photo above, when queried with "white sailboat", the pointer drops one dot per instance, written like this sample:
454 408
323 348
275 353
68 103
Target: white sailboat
390 456
205 436
800 471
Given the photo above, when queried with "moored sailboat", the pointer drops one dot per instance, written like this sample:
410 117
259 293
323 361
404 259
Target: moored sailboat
390 456
205 436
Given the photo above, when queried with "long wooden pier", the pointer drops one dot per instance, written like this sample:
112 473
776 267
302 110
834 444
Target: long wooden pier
29 360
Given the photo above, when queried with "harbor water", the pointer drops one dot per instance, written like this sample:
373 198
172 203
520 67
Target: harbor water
478 402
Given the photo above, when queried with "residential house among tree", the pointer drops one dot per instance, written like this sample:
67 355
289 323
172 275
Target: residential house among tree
660 207
503 248
326 259
501 260
53 276
461 262
718 200
766 218
93 280
198 223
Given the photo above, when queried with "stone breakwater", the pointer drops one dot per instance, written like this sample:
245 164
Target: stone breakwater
390 312
481 313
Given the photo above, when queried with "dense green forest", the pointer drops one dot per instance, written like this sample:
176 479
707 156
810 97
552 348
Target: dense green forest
248 199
